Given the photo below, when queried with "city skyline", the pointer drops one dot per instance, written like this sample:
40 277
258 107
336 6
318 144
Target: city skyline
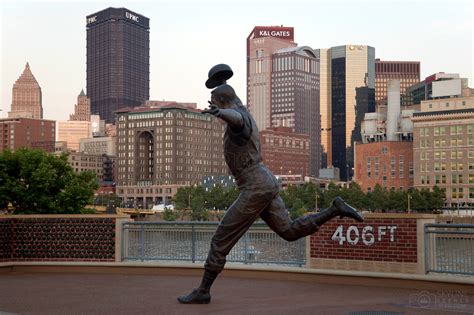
438 35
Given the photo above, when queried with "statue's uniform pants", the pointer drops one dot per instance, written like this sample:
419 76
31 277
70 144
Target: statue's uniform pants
258 198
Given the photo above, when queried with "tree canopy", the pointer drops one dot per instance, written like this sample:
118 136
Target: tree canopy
302 198
36 182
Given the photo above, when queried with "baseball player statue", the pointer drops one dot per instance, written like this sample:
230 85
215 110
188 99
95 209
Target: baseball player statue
259 189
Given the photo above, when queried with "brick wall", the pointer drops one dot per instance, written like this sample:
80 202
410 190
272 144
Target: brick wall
380 154
394 240
57 239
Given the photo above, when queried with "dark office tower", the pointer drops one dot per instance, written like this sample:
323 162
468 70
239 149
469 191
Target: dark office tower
347 75
295 96
118 61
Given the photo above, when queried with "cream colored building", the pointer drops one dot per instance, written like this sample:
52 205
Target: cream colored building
444 148
325 102
160 149
100 145
72 132
26 97
82 110
80 125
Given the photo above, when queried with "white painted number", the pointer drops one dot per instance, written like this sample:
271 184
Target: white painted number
338 236
354 229
368 238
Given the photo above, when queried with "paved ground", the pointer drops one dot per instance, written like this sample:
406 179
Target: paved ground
79 293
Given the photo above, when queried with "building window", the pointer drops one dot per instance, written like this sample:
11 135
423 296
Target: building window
454 178
258 66
376 167
384 150
368 167
401 166
392 166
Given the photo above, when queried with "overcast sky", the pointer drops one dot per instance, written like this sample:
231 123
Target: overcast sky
188 37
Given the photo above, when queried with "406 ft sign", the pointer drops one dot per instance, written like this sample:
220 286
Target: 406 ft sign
353 235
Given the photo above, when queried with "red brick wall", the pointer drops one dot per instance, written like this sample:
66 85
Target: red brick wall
57 239
373 150
289 154
403 248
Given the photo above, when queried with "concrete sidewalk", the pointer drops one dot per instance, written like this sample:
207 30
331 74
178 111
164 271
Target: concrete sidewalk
104 293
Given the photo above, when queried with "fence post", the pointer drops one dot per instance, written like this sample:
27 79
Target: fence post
245 248
122 241
142 242
193 244
427 248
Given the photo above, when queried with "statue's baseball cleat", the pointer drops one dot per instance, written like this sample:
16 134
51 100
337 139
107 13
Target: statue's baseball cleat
346 210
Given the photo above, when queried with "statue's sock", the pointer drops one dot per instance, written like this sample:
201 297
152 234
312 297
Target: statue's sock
207 281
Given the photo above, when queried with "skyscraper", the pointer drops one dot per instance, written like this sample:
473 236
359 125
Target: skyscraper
118 60
408 72
82 110
348 92
262 43
26 96
283 85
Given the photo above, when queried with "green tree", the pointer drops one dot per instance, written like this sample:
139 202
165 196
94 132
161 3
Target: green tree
36 182
330 193
437 198
377 198
355 196
216 198
169 215
198 207
396 200
418 200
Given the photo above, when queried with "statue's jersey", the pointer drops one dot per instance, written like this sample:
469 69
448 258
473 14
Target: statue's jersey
242 147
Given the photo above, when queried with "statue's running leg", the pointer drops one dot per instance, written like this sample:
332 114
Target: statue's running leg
237 220
277 218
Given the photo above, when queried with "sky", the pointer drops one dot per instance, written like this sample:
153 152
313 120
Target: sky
188 37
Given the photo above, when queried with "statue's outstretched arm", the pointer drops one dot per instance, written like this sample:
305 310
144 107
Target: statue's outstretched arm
232 117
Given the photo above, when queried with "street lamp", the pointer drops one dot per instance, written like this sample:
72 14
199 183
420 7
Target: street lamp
316 208
408 197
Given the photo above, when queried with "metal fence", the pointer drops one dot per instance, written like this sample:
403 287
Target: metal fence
449 248
189 241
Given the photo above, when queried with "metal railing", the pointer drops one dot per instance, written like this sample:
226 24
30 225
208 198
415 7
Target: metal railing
189 241
449 248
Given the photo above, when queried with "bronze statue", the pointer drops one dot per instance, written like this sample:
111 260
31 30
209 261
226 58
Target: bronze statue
258 187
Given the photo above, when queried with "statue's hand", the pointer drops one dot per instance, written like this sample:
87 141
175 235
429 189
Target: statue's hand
213 110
